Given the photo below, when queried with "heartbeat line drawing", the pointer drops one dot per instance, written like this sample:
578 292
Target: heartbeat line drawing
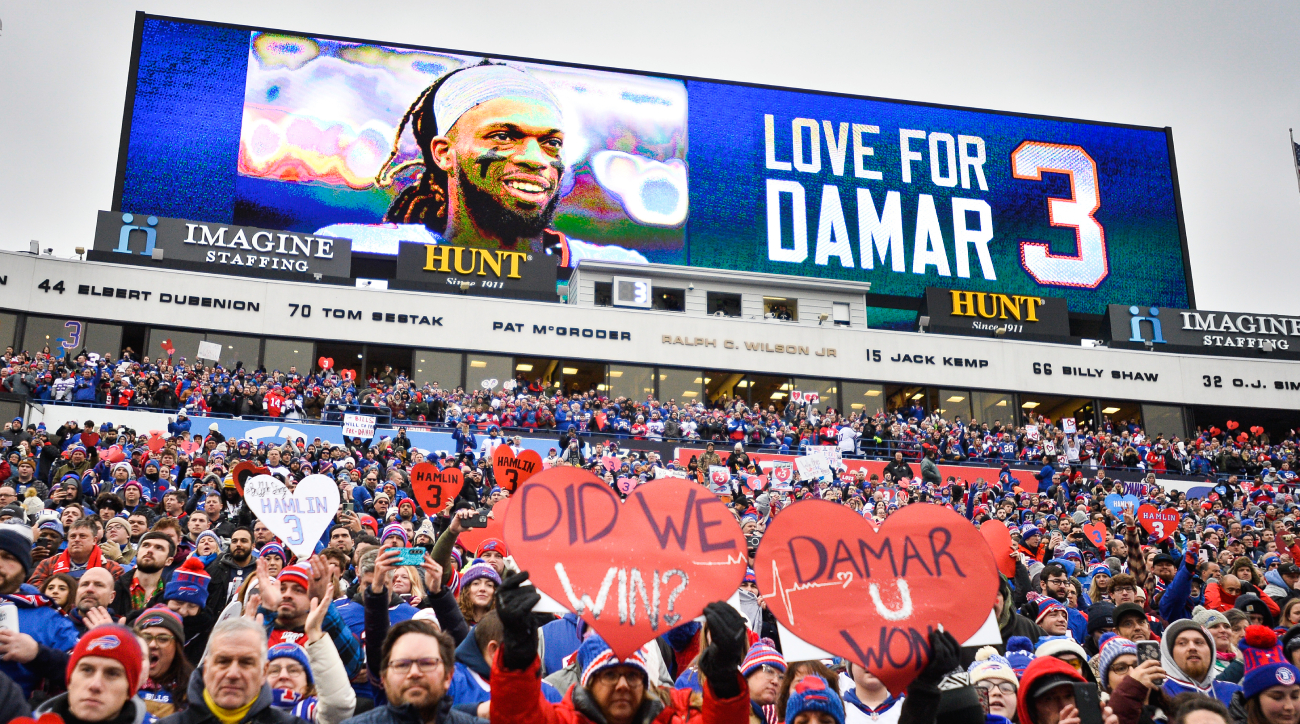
843 579
731 561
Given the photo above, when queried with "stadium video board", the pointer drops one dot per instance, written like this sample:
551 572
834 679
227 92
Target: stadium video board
341 138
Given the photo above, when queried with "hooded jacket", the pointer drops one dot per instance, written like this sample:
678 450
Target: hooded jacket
471 682
1038 669
1178 681
1277 588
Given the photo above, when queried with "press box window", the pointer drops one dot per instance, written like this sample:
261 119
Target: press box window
721 304
781 308
669 300
840 313
604 294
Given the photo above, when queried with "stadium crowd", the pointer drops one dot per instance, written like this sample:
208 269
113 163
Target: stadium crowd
135 583
530 407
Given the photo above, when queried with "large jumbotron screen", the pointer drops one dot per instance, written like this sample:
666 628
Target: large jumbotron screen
300 132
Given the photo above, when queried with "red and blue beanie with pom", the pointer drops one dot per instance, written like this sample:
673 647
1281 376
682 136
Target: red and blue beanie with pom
1266 663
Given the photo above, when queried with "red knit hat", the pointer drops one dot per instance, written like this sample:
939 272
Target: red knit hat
112 641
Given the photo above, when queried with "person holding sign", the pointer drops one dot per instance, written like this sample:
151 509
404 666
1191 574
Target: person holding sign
618 690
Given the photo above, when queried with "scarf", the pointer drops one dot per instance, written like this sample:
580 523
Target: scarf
226 716
63 563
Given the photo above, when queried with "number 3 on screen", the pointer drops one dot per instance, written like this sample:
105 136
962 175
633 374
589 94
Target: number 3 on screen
1088 267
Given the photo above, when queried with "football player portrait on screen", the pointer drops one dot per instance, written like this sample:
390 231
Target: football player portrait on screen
491 140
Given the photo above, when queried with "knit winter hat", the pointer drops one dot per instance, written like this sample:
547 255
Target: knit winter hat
492 544
479 569
162 617
1266 664
211 535
395 529
1029 531
298 573
1112 647
1057 645
762 653
811 693
1209 617
273 549
112 641
16 540
989 665
189 584
291 651
594 655
1046 606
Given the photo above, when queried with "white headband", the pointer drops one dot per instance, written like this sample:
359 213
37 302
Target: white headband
481 83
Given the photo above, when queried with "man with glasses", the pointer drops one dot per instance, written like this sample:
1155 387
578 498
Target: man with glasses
416 669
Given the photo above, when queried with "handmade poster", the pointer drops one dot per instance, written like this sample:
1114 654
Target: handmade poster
874 595
1159 523
243 470
666 473
813 467
510 469
362 426
632 570
435 490
1069 426
298 518
1096 533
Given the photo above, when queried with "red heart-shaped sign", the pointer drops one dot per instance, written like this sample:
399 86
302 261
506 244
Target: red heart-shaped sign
873 596
782 473
115 454
325 363
632 570
243 470
1160 523
999 539
435 490
626 485
348 375
1256 430
168 348
1233 424
1215 432
1096 532
510 470
155 442
471 539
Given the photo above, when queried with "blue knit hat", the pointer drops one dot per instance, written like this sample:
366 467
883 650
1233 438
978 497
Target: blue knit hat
189 584
291 651
1020 651
1266 662
1112 647
1029 531
273 549
811 693
594 655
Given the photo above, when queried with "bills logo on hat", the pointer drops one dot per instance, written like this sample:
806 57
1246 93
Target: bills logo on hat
105 643
1284 676
151 621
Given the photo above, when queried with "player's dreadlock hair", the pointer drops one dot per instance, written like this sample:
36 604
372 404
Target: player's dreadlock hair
426 201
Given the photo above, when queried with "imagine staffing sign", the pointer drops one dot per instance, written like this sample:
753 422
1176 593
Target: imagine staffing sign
1188 330
228 248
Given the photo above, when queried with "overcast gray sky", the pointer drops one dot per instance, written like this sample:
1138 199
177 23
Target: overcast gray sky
1222 75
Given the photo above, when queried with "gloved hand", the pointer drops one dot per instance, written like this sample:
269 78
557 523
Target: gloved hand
945 656
728 643
515 603
1193 555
